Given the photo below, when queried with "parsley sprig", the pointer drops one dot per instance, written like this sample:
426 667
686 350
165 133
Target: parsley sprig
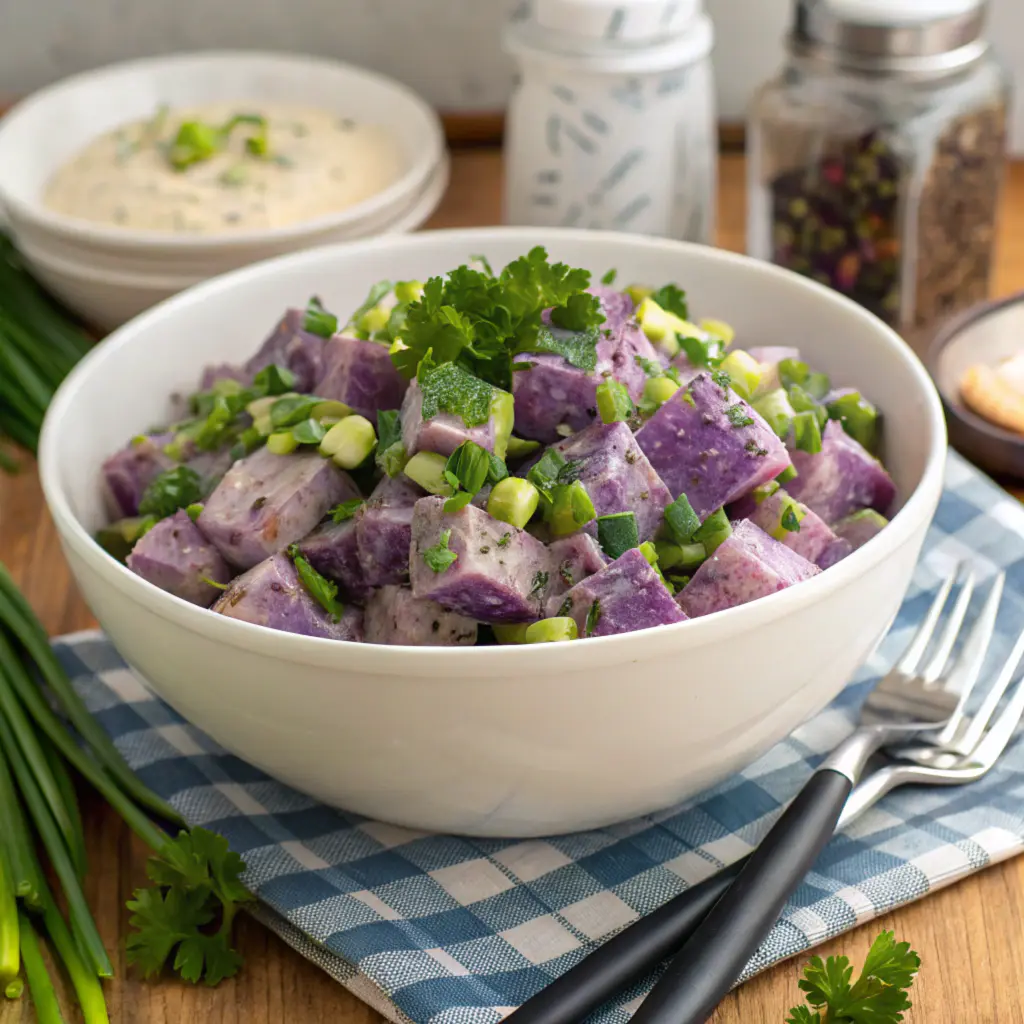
480 320
879 996
196 884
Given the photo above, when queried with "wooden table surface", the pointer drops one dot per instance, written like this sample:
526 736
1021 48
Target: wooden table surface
970 936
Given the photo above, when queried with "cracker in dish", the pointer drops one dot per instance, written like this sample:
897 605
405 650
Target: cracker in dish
997 393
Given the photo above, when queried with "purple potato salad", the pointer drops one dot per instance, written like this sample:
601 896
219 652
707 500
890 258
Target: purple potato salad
487 458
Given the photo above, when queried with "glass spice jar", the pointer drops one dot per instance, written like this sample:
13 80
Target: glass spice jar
877 156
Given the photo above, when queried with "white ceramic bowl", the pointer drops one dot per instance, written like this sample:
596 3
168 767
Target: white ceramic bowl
43 131
507 741
107 298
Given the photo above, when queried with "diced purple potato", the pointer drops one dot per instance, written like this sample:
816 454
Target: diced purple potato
361 374
128 473
573 559
629 596
224 371
553 393
769 357
394 616
617 475
842 478
270 594
812 539
442 433
697 451
747 566
686 370
293 348
501 574
482 496
176 557
211 467
860 527
332 549
384 531
839 549
266 502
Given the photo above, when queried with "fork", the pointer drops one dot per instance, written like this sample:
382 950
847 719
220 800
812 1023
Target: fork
637 949
908 701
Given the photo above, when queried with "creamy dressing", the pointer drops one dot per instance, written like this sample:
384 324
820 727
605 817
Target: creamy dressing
316 163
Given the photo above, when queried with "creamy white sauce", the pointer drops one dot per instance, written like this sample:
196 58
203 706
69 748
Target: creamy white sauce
316 163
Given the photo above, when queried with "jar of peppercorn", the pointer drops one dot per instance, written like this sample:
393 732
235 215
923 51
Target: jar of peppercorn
877 156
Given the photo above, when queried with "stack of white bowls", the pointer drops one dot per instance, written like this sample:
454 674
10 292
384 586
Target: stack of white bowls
109 274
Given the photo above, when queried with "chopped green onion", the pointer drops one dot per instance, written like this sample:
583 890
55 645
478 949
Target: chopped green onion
408 291
309 432
858 417
16 988
802 401
544 474
291 409
520 449
681 520
350 442
658 390
513 634
470 465
44 998
791 518
765 491
817 385
744 372
617 533
714 531
551 631
776 410
440 557
571 508
321 589
792 371
789 473
807 432
194 142
613 402
329 409
719 329
686 557
391 457
284 442
513 500
318 320
9 956
639 292
428 470
273 380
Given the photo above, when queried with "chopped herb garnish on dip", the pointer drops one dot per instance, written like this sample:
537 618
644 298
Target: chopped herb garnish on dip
439 557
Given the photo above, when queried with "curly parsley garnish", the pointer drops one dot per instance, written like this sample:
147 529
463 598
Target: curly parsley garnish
172 489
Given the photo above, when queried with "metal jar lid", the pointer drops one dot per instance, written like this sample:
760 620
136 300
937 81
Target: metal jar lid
914 37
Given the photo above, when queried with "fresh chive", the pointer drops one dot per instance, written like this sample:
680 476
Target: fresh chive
9 957
613 402
44 998
713 531
66 787
321 589
16 841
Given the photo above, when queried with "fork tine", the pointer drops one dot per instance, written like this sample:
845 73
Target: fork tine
998 738
933 670
979 722
907 665
964 675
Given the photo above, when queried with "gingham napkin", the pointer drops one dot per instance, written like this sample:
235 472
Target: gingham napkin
447 929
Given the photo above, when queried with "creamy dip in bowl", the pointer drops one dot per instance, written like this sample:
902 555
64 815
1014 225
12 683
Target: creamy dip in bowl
249 166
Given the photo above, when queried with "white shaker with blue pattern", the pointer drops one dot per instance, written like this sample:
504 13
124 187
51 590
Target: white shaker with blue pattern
612 127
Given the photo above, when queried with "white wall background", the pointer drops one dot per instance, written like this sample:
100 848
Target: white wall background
446 49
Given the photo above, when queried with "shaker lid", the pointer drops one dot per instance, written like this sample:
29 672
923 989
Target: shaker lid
618 21
893 32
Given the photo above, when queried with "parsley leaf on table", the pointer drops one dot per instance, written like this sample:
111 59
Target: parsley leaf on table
196 883
879 996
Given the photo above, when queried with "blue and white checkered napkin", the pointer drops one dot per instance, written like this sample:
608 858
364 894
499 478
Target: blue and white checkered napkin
446 929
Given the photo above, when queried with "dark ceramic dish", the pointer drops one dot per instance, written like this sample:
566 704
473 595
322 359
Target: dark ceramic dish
988 333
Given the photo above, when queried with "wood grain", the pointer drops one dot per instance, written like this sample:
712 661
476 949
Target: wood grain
971 936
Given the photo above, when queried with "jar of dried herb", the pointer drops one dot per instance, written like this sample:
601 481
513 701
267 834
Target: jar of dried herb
877 155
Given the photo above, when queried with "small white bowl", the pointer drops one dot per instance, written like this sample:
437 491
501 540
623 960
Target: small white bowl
106 298
45 130
509 741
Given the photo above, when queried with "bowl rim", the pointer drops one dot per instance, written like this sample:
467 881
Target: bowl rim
476 662
422 165
944 336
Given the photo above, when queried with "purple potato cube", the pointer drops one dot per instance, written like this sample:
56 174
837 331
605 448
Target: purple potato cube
835 552
394 616
707 443
444 432
271 594
176 557
852 533
746 566
224 371
623 597
333 550
842 478
361 374
551 393
811 540
266 502
128 473
384 531
573 559
609 462
500 574
293 348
